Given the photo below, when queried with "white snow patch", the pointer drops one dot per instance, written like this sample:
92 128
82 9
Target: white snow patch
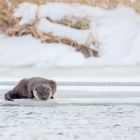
27 51
63 31
27 12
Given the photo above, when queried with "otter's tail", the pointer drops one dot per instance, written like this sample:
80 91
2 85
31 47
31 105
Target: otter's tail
8 96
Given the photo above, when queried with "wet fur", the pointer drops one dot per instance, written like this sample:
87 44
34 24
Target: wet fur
25 88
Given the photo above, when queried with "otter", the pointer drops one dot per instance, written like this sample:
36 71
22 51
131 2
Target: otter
36 87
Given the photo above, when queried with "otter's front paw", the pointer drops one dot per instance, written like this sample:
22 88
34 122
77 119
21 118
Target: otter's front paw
51 97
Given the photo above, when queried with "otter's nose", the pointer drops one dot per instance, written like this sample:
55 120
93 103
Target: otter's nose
44 98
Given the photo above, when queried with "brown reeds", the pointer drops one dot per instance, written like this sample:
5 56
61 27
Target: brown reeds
6 18
73 21
135 4
108 4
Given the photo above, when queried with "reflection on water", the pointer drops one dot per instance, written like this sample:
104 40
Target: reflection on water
70 122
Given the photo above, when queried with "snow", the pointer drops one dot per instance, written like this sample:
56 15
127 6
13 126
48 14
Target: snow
60 30
56 11
27 51
117 31
27 12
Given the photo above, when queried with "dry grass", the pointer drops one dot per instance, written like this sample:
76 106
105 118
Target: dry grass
135 4
108 4
6 18
74 22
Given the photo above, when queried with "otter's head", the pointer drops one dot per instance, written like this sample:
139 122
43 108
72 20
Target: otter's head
42 92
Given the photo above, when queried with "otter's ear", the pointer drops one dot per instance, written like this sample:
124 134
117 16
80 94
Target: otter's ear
52 83
53 87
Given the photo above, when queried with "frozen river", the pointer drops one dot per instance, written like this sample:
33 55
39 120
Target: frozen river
83 118
69 122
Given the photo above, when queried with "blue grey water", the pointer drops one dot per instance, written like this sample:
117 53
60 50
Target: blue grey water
70 122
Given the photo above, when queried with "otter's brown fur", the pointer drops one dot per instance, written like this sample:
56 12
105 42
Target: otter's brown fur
26 87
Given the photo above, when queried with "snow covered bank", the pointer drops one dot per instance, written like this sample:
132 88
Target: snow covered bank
118 32
27 51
